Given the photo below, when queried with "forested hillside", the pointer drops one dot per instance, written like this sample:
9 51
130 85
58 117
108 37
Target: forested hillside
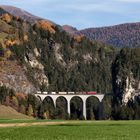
42 56
53 60
124 35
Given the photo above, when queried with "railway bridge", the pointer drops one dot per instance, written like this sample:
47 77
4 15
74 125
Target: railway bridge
68 98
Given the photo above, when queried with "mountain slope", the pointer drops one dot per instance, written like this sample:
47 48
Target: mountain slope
69 29
50 59
41 56
20 13
124 35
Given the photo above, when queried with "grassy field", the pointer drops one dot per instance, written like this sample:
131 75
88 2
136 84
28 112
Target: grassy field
8 121
74 130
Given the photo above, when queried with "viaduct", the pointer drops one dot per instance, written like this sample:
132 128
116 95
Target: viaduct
68 98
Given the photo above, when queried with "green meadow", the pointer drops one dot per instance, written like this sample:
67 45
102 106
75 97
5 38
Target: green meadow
72 130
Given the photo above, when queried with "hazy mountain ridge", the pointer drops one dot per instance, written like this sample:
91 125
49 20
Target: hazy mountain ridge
123 35
20 13
69 29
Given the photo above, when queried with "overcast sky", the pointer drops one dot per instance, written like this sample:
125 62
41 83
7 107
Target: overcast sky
82 13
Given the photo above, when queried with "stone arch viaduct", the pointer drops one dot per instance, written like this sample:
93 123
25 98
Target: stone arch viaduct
68 98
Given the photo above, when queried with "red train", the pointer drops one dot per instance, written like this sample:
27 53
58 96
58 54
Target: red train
91 92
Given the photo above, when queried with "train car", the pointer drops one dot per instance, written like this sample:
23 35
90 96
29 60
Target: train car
39 92
53 92
80 92
71 92
45 92
91 92
77 92
84 92
62 93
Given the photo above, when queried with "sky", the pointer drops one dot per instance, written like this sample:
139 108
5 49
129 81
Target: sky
82 13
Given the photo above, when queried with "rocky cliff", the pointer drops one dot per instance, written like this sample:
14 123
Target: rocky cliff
126 74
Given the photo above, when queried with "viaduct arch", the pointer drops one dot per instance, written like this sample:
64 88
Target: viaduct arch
68 98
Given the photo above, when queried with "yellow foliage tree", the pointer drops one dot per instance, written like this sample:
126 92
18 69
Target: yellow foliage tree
6 17
22 109
15 102
46 114
7 54
46 25
79 38
30 111
25 37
